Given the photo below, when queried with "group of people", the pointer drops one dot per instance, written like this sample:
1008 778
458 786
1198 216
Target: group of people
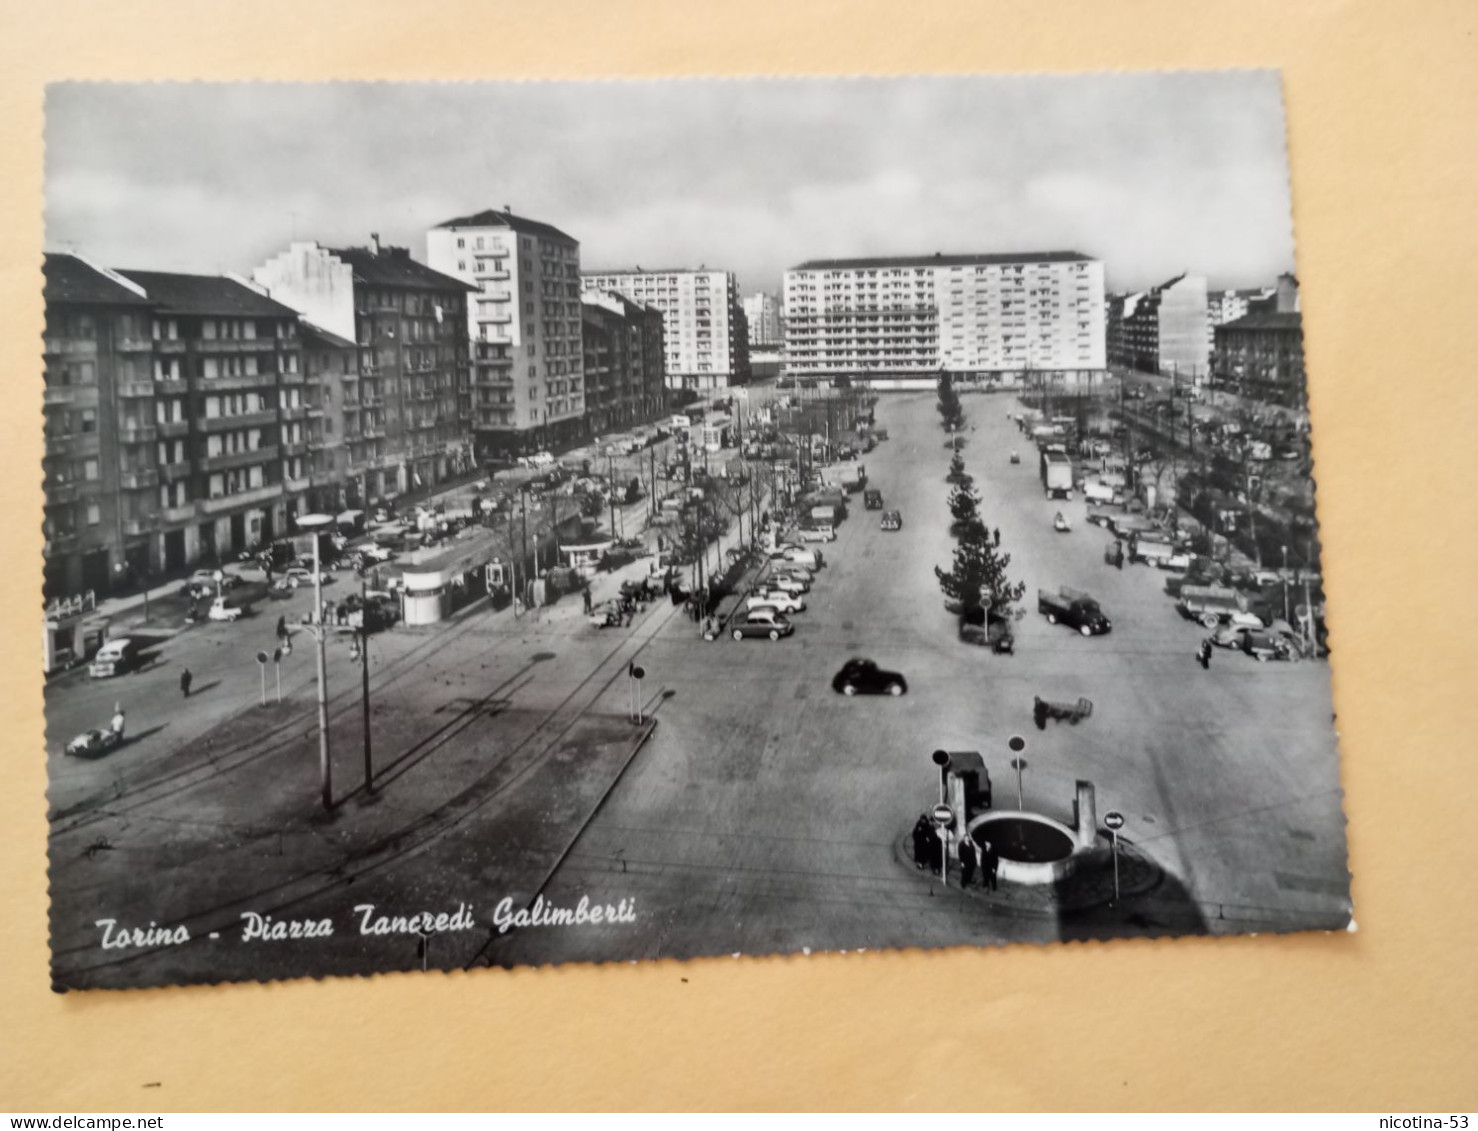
928 852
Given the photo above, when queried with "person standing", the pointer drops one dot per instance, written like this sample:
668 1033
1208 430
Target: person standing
117 722
997 536
185 680
589 602
969 857
923 835
1203 654
990 865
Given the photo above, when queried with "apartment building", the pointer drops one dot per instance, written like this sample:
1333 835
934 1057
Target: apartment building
524 323
1264 348
705 332
176 423
406 402
762 311
101 470
975 316
624 361
1164 329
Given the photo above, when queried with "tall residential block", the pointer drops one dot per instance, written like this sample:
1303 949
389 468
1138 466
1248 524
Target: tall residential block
1264 348
763 314
704 328
524 323
974 316
176 422
406 404
1164 329
624 362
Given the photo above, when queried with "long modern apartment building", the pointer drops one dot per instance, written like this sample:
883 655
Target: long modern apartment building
176 425
524 323
705 333
974 316
392 338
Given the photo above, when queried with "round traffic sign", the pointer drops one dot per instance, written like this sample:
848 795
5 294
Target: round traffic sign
941 758
261 657
942 815
220 575
1016 743
1113 820
636 671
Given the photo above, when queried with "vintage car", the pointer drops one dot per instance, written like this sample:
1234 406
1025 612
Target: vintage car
769 623
892 520
863 677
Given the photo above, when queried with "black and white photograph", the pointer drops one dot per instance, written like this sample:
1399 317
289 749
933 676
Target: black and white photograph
510 524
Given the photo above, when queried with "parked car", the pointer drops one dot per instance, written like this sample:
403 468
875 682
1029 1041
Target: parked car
789 583
770 623
818 534
298 576
95 741
892 520
782 600
374 552
1263 645
863 677
115 657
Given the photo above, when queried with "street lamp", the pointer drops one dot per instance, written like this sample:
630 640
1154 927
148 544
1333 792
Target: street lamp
126 570
314 523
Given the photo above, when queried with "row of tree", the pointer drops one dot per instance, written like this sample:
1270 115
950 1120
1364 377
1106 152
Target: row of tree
977 577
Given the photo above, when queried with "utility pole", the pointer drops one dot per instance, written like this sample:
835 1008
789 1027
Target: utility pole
523 497
364 694
611 483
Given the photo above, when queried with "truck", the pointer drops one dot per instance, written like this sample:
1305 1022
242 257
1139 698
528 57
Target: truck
1213 605
1057 475
1098 493
849 476
1075 609
1151 548
823 515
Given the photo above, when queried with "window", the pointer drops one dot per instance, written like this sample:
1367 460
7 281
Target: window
94 514
89 420
89 469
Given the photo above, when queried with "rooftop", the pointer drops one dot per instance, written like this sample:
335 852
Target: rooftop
205 294
1269 320
586 273
394 267
72 279
496 218
314 334
939 259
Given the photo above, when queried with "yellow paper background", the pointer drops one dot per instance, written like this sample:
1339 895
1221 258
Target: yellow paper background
1383 127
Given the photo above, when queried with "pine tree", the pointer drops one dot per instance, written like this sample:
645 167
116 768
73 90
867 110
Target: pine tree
979 573
964 504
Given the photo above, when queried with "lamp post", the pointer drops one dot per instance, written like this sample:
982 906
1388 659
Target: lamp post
130 575
314 523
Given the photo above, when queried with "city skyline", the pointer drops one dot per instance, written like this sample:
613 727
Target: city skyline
1153 174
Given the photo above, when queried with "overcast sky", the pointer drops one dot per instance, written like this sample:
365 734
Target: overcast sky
1154 174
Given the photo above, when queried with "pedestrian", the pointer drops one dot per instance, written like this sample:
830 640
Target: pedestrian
969 857
923 836
1039 713
937 861
990 861
117 722
998 537
185 680
1203 654
282 627
589 602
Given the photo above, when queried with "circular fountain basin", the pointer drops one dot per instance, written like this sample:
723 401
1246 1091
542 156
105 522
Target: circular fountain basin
1033 849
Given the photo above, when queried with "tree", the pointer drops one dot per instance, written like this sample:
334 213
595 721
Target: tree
949 403
964 504
957 473
979 573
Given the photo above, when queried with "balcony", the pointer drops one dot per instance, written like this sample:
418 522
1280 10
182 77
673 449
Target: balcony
494 319
172 428
70 347
209 346
498 296
185 512
58 494
70 395
74 445
227 460
300 484
256 381
133 344
135 388
139 480
294 412
300 377
133 527
269 493
138 434
494 276
174 472
240 420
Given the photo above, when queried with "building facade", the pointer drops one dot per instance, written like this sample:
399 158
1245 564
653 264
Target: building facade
1165 329
177 426
705 333
624 362
762 311
407 405
974 316
524 323
1264 348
